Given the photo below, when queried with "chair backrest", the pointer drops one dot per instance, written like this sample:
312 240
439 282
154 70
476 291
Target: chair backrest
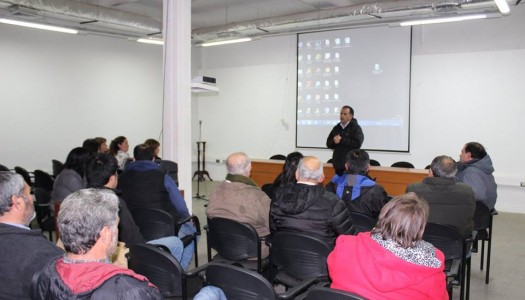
57 166
323 293
278 157
153 223
482 216
361 222
299 255
238 283
4 168
43 180
402 164
446 238
160 267
375 163
233 240
170 168
23 172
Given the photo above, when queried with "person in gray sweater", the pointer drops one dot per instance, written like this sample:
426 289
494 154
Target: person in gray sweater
71 179
475 169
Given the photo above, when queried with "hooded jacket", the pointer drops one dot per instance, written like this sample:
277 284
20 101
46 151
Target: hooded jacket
361 265
478 174
94 280
366 199
23 253
309 209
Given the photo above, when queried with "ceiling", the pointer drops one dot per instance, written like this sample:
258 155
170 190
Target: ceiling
226 19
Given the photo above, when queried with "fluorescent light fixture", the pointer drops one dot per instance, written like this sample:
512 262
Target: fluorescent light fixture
503 6
442 20
38 26
151 41
226 42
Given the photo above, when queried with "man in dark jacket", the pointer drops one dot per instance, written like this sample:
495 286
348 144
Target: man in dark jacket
101 173
344 137
88 222
450 202
24 252
358 191
307 207
475 169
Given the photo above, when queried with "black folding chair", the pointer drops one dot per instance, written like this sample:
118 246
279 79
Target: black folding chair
43 180
235 242
483 218
457 257
296 257
361 223
156 223
402 164
325 293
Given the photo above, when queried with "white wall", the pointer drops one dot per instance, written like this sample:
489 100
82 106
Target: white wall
59 89
466 86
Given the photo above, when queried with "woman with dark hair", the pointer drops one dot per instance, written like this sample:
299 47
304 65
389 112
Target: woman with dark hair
71 178
286 176
155 146
119 148
392 261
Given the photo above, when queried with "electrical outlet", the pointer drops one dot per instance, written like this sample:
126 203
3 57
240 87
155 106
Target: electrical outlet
522 184
217 160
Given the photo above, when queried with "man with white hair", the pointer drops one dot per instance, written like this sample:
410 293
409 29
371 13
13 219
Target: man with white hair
88 222
307 207
239 198
24 252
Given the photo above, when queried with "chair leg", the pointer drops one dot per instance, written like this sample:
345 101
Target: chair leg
489 248
462 281
468 278
195 254
482 254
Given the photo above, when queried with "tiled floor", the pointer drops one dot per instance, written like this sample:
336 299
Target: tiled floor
507 277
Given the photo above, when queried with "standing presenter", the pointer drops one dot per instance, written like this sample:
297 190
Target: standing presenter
344 137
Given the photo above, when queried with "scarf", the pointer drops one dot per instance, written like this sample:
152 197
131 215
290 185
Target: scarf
241 179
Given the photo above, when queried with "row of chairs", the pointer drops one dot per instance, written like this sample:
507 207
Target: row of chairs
373 162
231 269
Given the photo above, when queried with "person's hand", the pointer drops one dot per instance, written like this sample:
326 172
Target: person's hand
337 139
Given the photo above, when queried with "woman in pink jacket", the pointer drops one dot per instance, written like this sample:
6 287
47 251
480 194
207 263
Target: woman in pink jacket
392 261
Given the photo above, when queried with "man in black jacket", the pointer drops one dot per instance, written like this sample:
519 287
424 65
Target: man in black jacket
344 137
359 192
88 222
24 252
307 207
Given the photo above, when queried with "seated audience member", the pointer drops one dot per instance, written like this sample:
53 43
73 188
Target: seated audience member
475 169
286 176
359 192
71 178
450 202
239 198
91 145
307 207
155 146
167 167
101 173
143 185
24 252
102 144
87 223
392 261
119 148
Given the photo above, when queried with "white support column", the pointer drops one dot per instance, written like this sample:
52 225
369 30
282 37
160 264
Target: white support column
176 141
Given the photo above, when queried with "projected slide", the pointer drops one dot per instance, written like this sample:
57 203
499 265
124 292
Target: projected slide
366 68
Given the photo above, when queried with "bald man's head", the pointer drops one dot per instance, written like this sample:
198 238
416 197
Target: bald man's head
239 164
310 169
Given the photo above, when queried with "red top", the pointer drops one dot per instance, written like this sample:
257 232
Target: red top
360 265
